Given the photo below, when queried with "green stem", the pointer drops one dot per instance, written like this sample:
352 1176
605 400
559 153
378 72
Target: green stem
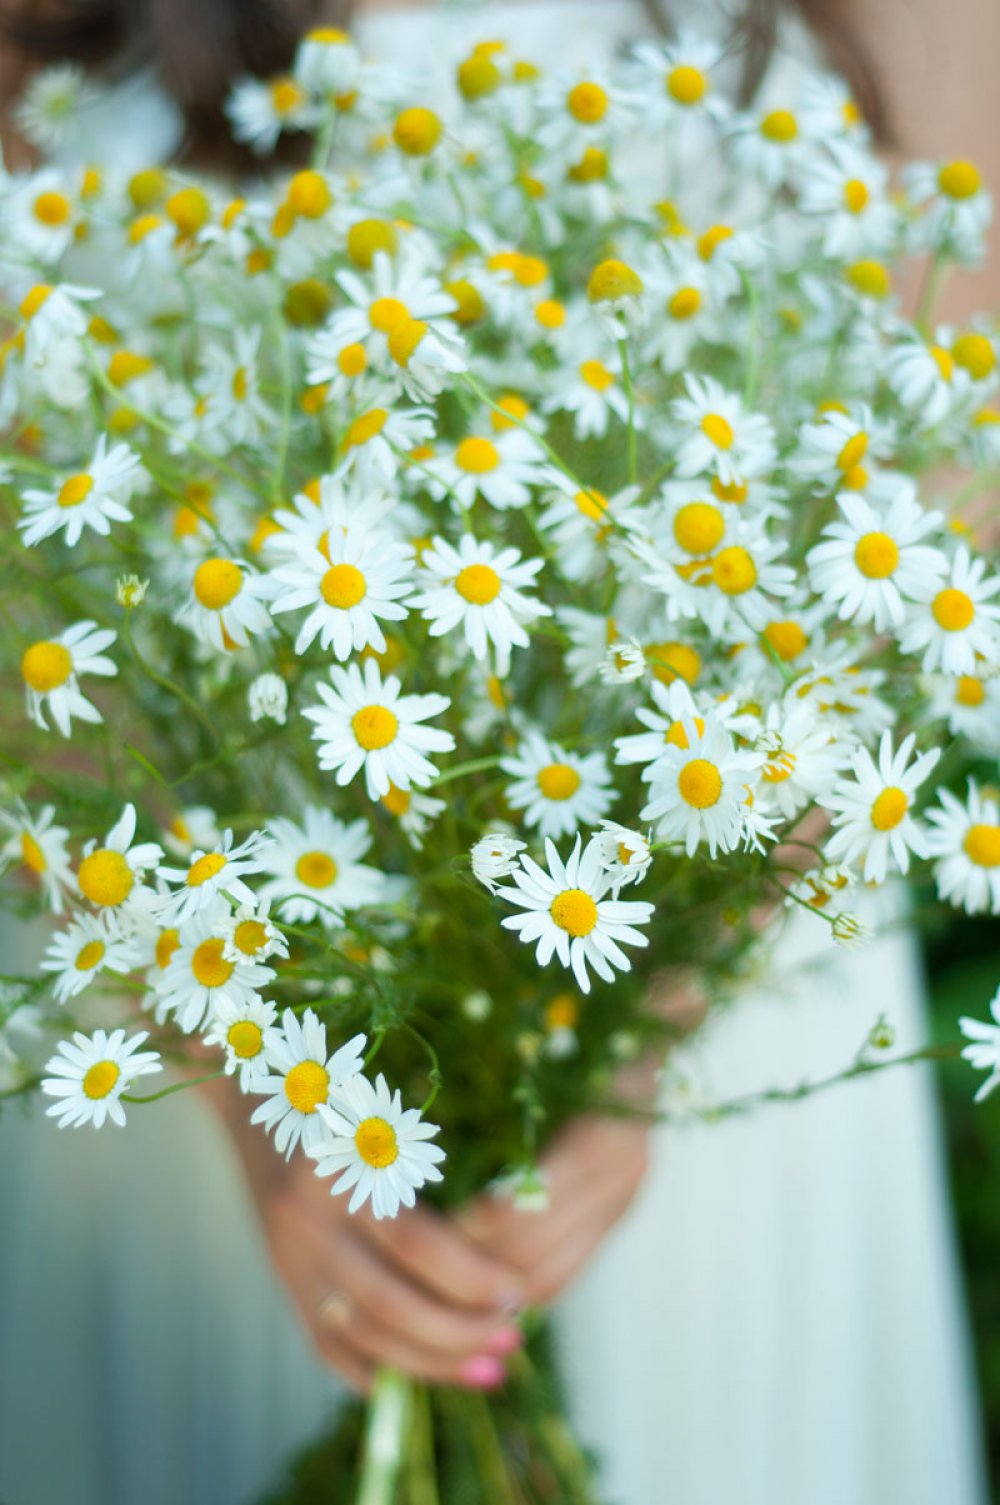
384 1441
633 452
154 1097
168 684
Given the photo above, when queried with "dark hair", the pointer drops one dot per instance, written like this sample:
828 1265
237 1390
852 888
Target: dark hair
200 46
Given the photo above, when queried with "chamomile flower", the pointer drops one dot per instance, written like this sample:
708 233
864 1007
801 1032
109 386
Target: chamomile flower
681 74
578 113
718 437
769 145
698 790
89 945
559 791
567 914
196 826
51 669
425 359
111 873
227 604
229 388
259 110
376 439
415 812
969 704
624 663
625 854
53 314
503 469
327 62
984 1052
46 112
301 1078
831 451
267 698
199 973
593 392
847 193
91 498
957 622
581 521
494 856
379 1151
965 838
250 932
89 1073
673 703
802 757
34 843
479 589
315 868
957 209
872 562
873 816
926 378
238 1029
40 216
398 293
220 869
828 111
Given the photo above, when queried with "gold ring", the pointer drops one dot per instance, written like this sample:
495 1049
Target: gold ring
335 1309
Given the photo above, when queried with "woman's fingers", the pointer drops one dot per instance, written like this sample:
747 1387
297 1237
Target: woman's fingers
442 1258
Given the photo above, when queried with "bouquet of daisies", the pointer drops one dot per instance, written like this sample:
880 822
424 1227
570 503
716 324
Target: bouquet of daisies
451 581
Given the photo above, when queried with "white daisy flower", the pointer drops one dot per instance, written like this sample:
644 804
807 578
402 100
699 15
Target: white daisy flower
505 470
229 387
398 294
802 757
238 1029
718 437
957 622
51 315
47 111
366 723
681 74
831 451
698 791
558 791
250 932
195 826
480 589
221 869
40 217
577 113
826 889
35 843
829 112
375 440
110 875
873 562
327 62
593 393
88 1075
260 109
199 974
957 209
267 699
674 703
302 1078
316 868
568 915
625 854
624 663
88 946
50 670
494 856
377 1150
425 359
90 498
415 812
581 523
561 1016
873 815
984 1052
847 192
769 145
227 604
965 838
969 704
926 378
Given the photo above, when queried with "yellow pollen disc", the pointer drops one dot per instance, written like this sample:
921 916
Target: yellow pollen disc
166 944
529 271
144 225
574 911
328 36
417 132
477 457
944 360
718 430
343 586
147 187
587 103
367 238
250 936
309 194
870 278
780 768
969 692
593 504
374 727
591 168
779 125
352 360
982 845
245 1039
105 878
89 955
478 584
285 96
396 801
307 1085
855 479
611 280
855 195
101 1079
596 375
124 366
31 853
316 869
470 304
734 492
787 639
876 555
34 300
709 243
217 582
367 427
46 666
240 384
975 354
853 452
685 303
699 784
699 527
478 76
953 610
563 1011
686 85
188 210
734 571
959 180
889 809
385 313
550 314
558 781
405 338
670 661
515 410
676 736
205 868
75 490
495 691
209 966
376 1143
52 208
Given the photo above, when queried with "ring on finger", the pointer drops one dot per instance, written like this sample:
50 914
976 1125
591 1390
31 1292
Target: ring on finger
336 1309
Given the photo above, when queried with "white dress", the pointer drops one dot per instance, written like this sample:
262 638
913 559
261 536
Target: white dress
778 1319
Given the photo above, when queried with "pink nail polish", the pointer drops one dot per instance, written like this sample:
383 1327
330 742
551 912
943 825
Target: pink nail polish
482 1373
504 1341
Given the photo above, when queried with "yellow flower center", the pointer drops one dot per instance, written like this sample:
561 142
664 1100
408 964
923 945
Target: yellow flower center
676 736
596 375
245 1039
477 456
959 180
376 1142
734 571
188 210
46 666
889 809
204 868
166 944
611 280
709 242
396 801
89 955
550 313
574 911
309 194
588 103
780 768
328 36
686 85
975 354
34 300
478 76
417 131
250 936
307 1085
734 492
869 278
718 430
855 195
853 452
685 303
404 339
670 661
366 427
367 238
125 365
352 360
699 527
240 384
217 582
515 410
286 96
562 1011
374 727
478 584
780 126
147 187
210 967
699 784
101 1079
31 853
944 360
385 313
343 586
52 209
876 555
982 845
316 869
787 639
953 610
591 168
143 226
558 781
75 490
969 691
105 878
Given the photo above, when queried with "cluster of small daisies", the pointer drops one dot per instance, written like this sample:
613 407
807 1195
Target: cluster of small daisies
458 493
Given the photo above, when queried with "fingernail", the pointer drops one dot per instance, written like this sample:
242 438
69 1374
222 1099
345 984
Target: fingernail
504 1341
482 1373
511 1303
